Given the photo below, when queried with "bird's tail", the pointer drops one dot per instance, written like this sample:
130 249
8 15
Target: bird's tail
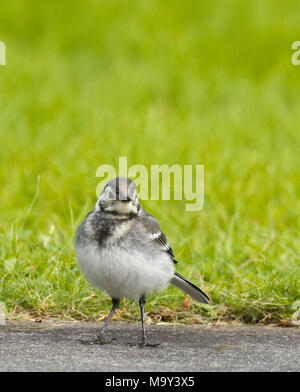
183 284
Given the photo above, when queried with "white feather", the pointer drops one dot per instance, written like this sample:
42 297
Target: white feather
122 273
154 236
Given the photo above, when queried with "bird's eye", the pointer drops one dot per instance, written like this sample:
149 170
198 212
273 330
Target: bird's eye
111 196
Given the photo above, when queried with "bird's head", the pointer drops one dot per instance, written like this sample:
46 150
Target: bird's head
119 196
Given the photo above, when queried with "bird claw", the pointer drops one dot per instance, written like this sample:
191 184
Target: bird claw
144 344
149 344
100 340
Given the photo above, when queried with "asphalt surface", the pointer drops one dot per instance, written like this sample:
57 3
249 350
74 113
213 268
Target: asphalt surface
57 346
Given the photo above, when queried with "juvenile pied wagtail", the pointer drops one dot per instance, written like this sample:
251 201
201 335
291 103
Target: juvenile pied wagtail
121 249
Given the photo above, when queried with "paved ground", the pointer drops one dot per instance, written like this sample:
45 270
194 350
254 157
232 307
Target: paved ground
56 346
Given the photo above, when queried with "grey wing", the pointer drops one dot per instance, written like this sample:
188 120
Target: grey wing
157 236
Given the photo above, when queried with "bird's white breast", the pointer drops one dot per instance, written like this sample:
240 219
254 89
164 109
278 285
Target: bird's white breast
123 272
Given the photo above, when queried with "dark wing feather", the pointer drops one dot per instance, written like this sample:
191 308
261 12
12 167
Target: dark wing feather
162 242
157 236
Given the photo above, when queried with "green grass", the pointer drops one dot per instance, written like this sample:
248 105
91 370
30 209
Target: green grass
161 82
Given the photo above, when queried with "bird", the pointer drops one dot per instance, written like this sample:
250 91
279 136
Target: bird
121 250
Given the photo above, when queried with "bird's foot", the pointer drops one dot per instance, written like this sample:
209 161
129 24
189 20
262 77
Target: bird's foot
143 344
146 344
100 340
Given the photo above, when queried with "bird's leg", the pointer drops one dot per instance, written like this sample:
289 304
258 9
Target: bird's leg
142 302
100 339
115 304
144 342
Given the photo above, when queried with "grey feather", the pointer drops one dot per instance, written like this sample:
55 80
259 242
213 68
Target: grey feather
152 227
189 288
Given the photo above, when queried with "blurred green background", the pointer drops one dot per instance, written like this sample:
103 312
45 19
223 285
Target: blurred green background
161 82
